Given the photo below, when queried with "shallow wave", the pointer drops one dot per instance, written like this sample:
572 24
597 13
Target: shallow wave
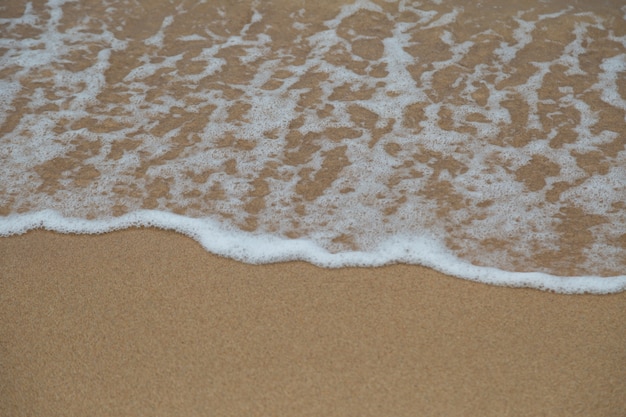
266 248
489 133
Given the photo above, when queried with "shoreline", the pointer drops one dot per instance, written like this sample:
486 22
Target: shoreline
263 249
147 321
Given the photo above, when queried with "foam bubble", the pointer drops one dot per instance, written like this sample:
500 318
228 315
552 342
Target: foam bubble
470 142
258 249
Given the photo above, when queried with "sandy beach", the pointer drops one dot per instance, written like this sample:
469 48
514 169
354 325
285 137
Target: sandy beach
146 322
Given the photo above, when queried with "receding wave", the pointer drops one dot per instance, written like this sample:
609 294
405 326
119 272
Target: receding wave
486 141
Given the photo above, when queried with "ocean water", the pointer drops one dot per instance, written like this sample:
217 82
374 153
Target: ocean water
486 140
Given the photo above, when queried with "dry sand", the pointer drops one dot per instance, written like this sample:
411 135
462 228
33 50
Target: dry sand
146 322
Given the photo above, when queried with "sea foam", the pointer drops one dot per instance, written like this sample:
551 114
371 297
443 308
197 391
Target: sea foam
484 142
260 249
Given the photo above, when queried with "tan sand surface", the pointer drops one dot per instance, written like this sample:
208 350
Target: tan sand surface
147 323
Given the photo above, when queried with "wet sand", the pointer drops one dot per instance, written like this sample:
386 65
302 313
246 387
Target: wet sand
146 322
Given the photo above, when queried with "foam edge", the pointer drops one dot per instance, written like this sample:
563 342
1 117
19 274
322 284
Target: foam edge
257 249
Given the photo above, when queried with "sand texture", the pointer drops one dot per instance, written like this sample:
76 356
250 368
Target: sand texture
491 129
145 322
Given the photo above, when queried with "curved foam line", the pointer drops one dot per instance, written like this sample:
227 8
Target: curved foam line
261 249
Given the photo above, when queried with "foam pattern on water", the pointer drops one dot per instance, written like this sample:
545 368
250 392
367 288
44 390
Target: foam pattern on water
484 141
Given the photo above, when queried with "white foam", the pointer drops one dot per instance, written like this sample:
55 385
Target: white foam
259 249
157 38
608 80
523 37
425 163
350 9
